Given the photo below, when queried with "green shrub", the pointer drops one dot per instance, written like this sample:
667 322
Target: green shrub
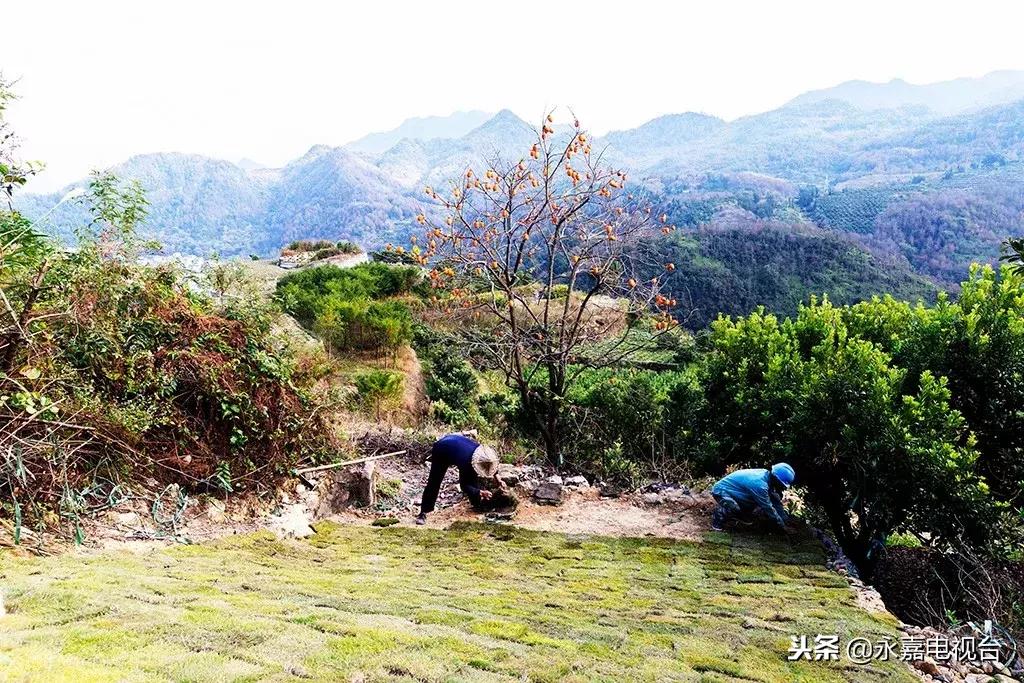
326 252
167 383
394 256
977 344
876 454
451 385
379 390
349 307
902 541
559 292
637 414
309 245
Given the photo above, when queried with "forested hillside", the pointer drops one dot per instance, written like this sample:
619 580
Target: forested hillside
733 270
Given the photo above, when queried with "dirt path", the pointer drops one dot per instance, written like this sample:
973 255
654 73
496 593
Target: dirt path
582 511
585 512
414 393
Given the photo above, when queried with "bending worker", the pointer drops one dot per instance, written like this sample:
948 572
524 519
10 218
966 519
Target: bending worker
747 492
475 462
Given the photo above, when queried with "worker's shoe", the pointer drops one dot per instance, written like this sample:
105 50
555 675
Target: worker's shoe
421 519
718 519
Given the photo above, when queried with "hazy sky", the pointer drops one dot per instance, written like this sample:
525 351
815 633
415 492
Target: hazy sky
100 81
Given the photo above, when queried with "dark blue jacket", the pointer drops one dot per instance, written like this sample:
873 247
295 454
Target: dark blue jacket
457 450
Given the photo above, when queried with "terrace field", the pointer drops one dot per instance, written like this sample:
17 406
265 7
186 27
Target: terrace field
474 602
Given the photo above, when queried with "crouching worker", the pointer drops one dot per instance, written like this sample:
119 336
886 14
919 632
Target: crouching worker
478 466
746 493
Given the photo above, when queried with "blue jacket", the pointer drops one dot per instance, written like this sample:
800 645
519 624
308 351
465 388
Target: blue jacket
455 449
751 491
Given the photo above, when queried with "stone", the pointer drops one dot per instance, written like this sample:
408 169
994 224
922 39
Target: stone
526 487
129 519
216 510
928 666
652 499
353 486
579 481
554 479
674 494
508 475
499 516
298 671
1003 678
292 522
610 490
548 493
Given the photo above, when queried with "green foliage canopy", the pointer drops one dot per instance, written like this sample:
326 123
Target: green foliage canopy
352 308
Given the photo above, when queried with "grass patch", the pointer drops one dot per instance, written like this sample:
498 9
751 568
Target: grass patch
399 604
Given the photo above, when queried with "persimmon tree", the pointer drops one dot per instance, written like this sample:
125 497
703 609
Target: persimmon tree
536 260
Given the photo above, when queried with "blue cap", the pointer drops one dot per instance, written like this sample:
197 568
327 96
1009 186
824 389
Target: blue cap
784 473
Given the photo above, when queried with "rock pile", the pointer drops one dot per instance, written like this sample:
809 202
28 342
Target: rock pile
333 491
928 669
549 492
678 496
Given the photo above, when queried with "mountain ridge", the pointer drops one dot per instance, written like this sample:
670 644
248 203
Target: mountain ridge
453 125
948 97
926 194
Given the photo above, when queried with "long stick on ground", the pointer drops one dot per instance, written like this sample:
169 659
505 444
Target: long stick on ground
333 465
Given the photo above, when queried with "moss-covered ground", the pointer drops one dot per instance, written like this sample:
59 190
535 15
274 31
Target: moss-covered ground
478 603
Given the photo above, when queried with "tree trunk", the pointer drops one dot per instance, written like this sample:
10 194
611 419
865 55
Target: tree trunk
18 333
552 437
852 544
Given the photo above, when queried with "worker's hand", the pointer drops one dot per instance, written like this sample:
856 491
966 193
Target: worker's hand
485 494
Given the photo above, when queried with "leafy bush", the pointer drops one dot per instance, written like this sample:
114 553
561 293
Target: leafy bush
379 390
876 453
623 424
327 252
450 382
301 293
323 248
977 344
363 325
113 371
309 245
559 292
343 305
394 256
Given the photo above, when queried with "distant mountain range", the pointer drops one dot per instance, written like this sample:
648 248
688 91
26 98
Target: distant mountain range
422 128
944 98
917 179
